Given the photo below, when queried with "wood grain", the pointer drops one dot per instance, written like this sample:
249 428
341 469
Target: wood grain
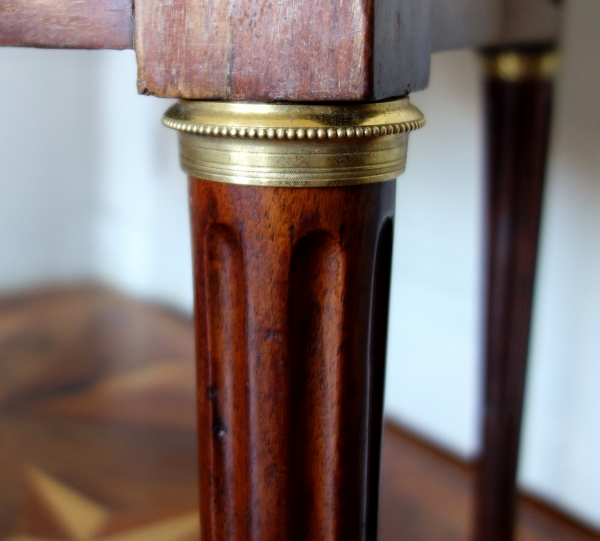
518 127
75 24
255 49
291 320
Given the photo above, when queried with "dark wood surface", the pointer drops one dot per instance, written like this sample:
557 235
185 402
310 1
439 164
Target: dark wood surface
98 434
77 24
518 125
292 291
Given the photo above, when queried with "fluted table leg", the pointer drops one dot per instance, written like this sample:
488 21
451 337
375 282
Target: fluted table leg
518 92
292 240
292 299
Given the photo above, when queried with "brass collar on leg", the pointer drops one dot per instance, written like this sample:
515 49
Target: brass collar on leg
295 145
519 65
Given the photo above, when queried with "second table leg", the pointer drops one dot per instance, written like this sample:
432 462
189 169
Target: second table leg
518 92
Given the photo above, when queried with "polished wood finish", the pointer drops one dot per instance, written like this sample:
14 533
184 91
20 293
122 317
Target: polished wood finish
98 397
291 315
518 125
75 24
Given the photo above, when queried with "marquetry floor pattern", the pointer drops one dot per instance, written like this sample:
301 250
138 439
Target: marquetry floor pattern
98 443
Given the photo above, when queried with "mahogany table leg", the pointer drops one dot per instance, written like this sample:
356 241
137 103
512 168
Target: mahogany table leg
292 240
292 300
518 93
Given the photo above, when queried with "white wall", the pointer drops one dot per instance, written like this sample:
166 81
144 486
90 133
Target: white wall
561 451
141 229
433 349
48 165
90 188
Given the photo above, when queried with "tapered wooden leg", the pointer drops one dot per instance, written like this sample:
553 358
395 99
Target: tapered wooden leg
518 98
292 240
291 315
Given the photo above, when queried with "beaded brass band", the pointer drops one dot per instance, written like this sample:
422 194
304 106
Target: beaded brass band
294 145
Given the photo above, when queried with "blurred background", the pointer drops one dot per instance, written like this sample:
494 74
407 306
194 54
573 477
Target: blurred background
91 191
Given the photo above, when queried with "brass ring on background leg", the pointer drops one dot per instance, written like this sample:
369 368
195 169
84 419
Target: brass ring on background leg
520 64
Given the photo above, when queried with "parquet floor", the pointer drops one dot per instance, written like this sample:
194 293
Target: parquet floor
98 443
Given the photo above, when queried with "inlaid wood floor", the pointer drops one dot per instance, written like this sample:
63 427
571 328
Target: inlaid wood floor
97 434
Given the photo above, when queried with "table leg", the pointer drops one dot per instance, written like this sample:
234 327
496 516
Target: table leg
518 92
292 243
291 317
